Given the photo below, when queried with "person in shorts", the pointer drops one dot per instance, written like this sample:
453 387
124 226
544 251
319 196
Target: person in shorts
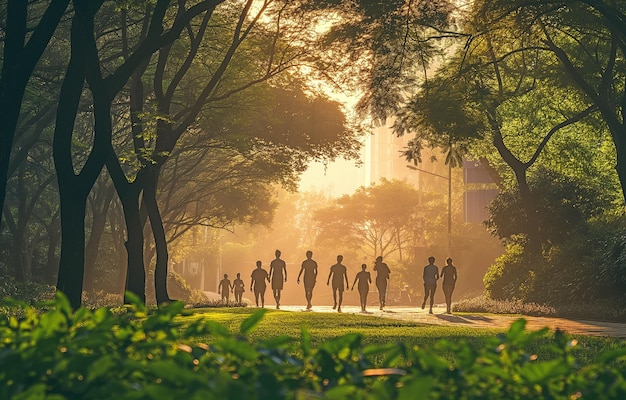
431 275
338 273
278 275
309 268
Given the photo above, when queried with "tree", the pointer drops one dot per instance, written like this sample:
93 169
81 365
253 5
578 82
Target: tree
377 220
578 234
85 65
587 39
565 204
249 53
22 46
30 194
506 101
98 22
386 48
25 212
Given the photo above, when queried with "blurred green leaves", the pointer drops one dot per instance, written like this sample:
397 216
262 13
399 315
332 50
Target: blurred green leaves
156 354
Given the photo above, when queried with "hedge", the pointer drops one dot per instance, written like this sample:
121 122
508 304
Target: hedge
155 354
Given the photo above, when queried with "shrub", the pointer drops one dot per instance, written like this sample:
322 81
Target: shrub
483 304
221 303
589 268
602 310
100 298
139 355
177 288
582 243
509 276
31 292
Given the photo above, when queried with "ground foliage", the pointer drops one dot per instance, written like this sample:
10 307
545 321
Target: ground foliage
138 354
582 246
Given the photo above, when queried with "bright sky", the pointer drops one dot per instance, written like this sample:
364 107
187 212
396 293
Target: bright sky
338 178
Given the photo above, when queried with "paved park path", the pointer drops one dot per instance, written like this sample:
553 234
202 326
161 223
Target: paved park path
415 314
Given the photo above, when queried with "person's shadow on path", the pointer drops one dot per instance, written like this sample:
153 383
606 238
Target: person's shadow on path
464 319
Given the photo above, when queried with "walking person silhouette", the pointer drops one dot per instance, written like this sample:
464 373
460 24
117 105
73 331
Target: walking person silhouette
338 272
238 288
431 275
448 273
382 276
224 288
364 279
309 267
259 276
278 275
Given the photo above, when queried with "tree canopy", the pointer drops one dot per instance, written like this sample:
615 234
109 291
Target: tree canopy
375 220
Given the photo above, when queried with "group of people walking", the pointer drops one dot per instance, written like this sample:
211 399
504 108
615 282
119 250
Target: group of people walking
338 274
431 276
277 276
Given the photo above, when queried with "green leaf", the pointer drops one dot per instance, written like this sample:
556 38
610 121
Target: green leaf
134 300
539 372
251 322
37 391
516 329
63 304
169 372
173 308
612 355
240 349
341 392
100 367
278 341
417 388
342 344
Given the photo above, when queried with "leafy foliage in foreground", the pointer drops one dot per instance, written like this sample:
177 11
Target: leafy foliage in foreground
139 355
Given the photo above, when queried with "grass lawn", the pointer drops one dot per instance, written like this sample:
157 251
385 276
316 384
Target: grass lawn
376 330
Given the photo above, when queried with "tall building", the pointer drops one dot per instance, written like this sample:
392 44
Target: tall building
386 161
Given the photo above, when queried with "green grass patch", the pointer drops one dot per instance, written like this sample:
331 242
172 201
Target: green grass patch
381 331
325 326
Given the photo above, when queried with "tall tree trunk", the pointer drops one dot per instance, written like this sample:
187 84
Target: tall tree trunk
10 106
14 258
99 211
529 204
160 242
74 188
72 218
117 234
129 195
71 262
399 241
533 229
18 61
17 254
54 236
136 273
